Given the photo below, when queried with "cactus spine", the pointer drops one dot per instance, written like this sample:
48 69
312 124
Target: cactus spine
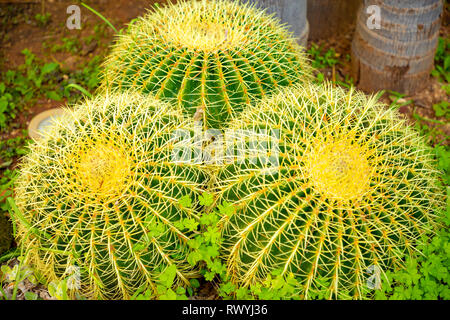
100 193
354 192
210 58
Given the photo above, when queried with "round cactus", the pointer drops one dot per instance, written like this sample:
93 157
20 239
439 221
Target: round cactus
99 197
210 58
349 196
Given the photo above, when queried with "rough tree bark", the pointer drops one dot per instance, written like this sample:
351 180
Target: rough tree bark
328 18
400 54
291 12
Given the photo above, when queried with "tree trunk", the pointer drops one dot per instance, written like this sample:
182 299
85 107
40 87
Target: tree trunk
328 18
400 54
291 12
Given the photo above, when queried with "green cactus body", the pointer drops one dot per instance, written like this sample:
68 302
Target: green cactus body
100 193
354 192
210 58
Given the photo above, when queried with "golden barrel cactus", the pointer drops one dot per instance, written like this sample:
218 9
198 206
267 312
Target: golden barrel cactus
98 197
210 58
349 195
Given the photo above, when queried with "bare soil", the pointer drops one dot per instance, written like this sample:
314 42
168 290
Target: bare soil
19 30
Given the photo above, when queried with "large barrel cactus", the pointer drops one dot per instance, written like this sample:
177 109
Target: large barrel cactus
210 58
343 192
99 197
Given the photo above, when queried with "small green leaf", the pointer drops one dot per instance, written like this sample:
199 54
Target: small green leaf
49 67
190 224
194 257
195 283
3 105
139 247
168 276
212 251
30 296
180 291
53 95
226 209
170 295
209 276
447 63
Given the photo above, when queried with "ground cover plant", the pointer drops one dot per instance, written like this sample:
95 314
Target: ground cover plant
55 71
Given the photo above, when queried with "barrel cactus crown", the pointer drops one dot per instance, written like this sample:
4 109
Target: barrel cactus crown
210 58
99 197
352 190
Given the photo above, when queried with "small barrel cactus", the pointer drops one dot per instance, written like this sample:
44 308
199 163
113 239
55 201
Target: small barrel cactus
347 194
99 198
210 58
